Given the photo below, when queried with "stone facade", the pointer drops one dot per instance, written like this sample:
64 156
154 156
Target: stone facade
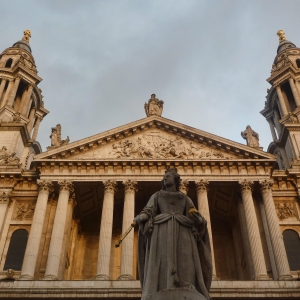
75 200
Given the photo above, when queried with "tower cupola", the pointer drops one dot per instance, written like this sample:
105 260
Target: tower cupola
282 105
21 104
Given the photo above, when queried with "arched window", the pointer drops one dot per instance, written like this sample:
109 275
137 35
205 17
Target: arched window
8 63
16 250
292 246
298 63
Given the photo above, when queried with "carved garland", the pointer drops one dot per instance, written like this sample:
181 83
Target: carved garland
285 210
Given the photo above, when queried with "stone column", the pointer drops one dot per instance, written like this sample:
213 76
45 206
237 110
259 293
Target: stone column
9 87
2 86
110 187
58 230
127 244
32 249
184 186
294 91
281 101
13 92
259 264
203 208
31 120
25 105
274 136
5 200
36 128
275 233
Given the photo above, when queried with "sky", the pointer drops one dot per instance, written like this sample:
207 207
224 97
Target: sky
101 60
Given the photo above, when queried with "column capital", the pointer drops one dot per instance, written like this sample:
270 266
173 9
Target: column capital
184 185
110 185
202 184
246 184
265 184
45 185
66 185
130 185
5 198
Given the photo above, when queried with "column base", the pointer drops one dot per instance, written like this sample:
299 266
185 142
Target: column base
25 277
50 277
125 277
262 277
215 278
286 277
101 277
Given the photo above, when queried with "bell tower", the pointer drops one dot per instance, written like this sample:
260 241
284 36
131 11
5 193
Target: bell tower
21 105
282 106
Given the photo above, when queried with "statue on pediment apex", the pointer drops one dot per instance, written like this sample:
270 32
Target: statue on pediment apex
154 106
55 137
251 137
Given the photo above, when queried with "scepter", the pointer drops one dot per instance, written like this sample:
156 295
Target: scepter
117 245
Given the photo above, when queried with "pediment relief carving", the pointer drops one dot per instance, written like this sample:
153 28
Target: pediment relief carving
155 144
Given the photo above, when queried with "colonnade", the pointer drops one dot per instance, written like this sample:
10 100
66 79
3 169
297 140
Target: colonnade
11 91
127 251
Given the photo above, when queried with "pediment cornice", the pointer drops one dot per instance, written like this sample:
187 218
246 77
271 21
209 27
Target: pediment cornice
220 148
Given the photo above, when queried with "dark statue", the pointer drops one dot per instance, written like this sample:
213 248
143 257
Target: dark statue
174 256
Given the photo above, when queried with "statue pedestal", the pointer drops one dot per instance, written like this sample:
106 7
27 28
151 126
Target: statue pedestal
175 294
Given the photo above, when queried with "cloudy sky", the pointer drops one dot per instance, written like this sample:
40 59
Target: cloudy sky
101 60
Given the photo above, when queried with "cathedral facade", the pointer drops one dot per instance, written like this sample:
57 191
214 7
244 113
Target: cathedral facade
63 211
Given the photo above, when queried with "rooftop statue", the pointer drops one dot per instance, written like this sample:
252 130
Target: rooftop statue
174 256
154 106
251 137
55 137
27 35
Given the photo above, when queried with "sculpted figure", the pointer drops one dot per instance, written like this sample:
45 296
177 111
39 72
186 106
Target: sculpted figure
55 137
174 256
293 118
154 106
250 136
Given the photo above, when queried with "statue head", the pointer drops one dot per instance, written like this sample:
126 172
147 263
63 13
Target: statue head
173 179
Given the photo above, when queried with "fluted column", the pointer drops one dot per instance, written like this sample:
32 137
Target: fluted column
2 86
32 249
281 101
184 186
36 128
25 105
294 91
203 208
127 244
106 230
275 233
58 230
259 264
13 92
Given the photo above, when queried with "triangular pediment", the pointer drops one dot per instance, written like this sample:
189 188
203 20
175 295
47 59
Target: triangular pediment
154 138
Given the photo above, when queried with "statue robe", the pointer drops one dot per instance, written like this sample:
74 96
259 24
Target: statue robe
174 248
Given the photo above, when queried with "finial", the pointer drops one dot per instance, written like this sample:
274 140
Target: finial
27 35
281 33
